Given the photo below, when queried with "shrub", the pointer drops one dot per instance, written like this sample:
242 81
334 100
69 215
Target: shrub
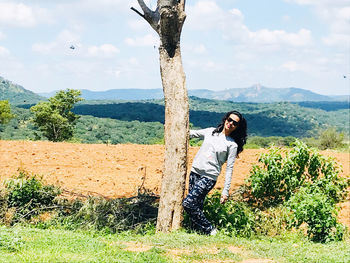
306 182
272 221
3 205
273 182
232 217
110 215
283 172
26 199
319 213
330 139
327 139
29 196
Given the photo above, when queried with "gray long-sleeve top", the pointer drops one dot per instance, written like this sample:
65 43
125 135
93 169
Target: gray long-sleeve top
214 152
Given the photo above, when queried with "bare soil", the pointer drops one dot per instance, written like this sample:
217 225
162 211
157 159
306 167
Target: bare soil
116 170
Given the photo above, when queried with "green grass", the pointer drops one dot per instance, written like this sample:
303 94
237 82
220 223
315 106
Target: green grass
26 244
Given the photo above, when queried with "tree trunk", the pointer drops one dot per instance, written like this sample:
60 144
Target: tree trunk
176 142
167 20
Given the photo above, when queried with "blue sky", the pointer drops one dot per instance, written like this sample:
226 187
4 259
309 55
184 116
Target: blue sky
225 44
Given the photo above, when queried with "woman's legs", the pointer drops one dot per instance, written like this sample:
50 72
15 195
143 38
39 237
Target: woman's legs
199 187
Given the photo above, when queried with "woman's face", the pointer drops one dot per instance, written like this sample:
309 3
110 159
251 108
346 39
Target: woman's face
231 123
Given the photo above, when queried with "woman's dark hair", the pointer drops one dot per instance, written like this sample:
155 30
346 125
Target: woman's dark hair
239 134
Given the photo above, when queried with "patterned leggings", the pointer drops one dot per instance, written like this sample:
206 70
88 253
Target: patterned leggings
199 187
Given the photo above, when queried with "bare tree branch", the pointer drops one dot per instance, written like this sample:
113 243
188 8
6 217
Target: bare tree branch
152 17
144 7
134 9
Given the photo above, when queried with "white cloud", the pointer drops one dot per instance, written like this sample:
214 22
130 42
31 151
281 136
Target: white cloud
18 14
147 40
206 15
312 66
280 37
4 52
90 7
2 36
320 2
105 50
336 14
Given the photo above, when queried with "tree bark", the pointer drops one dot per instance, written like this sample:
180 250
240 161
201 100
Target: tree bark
176 142
167 20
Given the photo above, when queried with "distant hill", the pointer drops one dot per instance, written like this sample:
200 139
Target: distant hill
256 93
16 94
117 94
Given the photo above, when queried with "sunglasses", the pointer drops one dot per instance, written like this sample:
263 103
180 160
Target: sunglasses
232 121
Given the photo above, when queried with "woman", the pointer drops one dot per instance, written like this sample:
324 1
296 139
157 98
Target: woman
221 144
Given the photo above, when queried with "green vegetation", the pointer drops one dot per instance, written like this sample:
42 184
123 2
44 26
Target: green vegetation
5 112
305 182
299 186
104 130
264 119
25 244
142 122
54 117
327 139
16 94
255 142
290 199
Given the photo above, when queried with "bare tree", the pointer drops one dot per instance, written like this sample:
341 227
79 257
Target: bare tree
167 20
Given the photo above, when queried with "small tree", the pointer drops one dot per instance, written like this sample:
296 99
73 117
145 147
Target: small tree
330 139
5 112
54 117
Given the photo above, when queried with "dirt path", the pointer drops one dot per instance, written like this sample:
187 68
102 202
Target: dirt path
115 170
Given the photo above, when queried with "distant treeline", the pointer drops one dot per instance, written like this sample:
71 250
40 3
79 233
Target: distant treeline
325 105
264 119
142 121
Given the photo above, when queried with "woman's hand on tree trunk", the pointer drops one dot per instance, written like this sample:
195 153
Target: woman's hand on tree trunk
223 199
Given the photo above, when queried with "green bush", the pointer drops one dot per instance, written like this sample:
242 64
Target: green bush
318 212
272 221
29 196
282 172
279 176
327 139
232 217
306 182
330 139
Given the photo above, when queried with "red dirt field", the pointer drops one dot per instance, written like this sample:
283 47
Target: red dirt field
116 170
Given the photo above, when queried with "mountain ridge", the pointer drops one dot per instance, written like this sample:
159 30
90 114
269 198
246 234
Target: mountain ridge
255 93
16 94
